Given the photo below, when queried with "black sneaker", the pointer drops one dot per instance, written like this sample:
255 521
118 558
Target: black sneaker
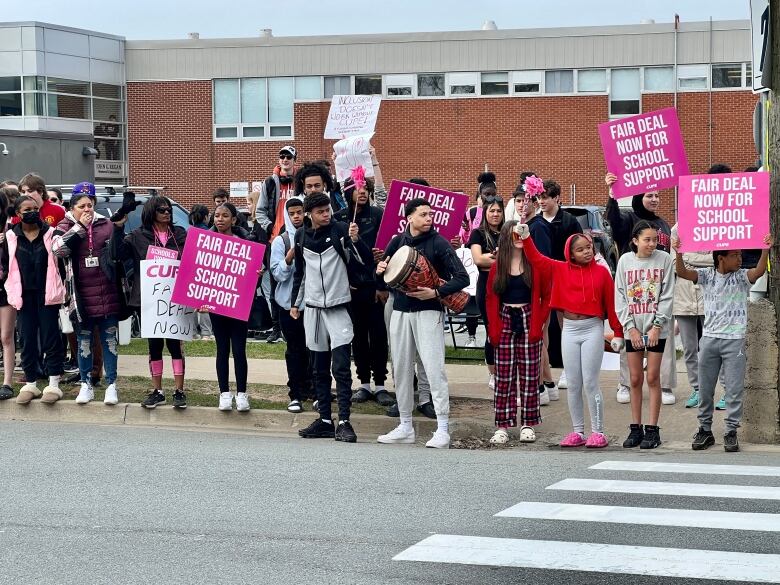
154 398
70 366
6 392
362 395
730 442
383 398
635 437
345 432
427 410
275 337
393 411
652 437
319 429
179 399
702 440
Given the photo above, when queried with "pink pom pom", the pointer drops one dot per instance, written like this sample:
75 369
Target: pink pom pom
533 186
358 176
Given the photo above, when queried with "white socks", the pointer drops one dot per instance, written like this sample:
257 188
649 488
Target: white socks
54 381
443 422
366 387
379 389
406 424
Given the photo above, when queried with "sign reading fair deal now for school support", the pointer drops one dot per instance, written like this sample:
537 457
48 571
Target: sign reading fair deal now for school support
218 272
645 152
723 212
448 209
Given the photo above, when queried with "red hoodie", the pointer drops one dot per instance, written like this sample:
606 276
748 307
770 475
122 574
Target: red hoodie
586 290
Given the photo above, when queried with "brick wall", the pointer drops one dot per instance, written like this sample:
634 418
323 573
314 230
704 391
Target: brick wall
446 141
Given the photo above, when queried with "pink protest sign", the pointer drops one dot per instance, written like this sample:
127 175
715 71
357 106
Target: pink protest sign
448 210
219 272
159 253
646 152
723 212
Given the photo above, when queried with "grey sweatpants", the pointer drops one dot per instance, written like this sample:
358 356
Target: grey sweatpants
422 333
582 346
423 386
689 334
668 364
730 354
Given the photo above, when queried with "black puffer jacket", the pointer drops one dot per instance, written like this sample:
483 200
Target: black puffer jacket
134 248
623 222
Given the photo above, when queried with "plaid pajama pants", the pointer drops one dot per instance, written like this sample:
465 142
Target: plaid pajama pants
518 363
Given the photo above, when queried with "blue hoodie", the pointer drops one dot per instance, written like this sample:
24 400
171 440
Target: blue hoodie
282 273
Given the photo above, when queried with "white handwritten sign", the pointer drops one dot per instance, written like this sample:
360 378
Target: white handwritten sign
352 115
161 318
352 153
468 263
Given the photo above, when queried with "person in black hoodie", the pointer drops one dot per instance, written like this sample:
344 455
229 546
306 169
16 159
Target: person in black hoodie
562 223
156 230
417 323
622 221
369 346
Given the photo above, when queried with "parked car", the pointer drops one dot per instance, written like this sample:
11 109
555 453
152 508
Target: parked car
593 222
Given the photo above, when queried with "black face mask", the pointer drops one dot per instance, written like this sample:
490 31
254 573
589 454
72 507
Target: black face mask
31 217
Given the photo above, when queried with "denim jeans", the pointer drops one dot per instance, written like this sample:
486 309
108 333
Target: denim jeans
108 328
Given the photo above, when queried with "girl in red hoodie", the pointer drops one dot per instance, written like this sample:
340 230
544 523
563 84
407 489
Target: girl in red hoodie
517 306
583 290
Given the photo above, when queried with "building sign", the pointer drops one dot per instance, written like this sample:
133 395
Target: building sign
109 169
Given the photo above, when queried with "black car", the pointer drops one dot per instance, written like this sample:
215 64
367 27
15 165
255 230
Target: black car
593 222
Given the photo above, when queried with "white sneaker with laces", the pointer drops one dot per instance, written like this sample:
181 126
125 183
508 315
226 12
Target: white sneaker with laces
225 401
398 436
242 402
440 440
86 394
562 384
553 392
623 395
471 343
544 398
667 396
112 397
492 382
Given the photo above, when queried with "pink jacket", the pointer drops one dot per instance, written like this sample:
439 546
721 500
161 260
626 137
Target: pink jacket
55 289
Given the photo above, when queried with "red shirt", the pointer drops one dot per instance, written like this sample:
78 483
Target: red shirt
50 213
586 290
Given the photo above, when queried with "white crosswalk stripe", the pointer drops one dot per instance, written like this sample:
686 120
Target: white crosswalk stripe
655 561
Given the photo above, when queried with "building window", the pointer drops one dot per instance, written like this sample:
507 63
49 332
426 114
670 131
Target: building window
659 78
10 96
253 108
748 75
337 86
463 83
10 84
559 81
494 84
68 106
592 80
624 92
526 81
308 88
368 85
431 85
69 86
727 76
399 85
692 76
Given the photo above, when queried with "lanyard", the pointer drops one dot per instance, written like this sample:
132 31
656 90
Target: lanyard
89 239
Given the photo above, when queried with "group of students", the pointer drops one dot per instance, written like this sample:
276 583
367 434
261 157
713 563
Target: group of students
324 279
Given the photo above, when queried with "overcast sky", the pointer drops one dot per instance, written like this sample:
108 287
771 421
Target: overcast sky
166 19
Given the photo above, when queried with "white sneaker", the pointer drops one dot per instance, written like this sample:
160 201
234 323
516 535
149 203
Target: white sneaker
500 437
553 392
562 384
527 435
242 402
440 440
492 382
86 394
397 436
471 343
111 397
544 398
623 395
667 396
225 401
295 406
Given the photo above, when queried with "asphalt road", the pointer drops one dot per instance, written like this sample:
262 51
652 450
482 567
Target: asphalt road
95 504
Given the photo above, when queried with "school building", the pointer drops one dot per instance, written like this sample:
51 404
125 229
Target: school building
201 113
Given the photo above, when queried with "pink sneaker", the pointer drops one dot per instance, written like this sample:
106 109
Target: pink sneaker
596 441
573 440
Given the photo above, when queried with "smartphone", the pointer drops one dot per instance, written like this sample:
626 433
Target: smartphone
644 340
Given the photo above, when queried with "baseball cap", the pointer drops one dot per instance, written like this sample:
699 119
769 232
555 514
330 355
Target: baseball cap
84 187
289 150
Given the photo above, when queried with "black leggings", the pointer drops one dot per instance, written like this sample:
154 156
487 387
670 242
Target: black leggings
156 349
230 332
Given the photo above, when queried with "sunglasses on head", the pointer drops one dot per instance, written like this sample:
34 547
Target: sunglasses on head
285 156
491 200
